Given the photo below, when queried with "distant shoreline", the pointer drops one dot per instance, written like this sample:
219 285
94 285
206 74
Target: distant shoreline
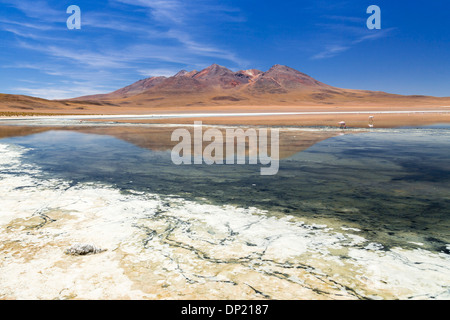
352 118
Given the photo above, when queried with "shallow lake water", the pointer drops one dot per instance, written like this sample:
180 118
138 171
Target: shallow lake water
364 201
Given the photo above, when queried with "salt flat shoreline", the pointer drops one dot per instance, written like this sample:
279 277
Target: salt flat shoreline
353 118
195 115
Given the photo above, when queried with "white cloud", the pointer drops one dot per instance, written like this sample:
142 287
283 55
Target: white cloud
330 51
39 10
158 72
160 38
57 93
178 16
342 36
37 26
165 11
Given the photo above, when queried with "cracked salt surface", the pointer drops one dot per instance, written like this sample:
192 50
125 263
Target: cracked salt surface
161 247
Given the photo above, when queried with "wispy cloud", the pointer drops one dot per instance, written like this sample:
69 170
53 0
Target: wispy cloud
178 18
202 49
178 12
171 11
379 34
340 33
345 18
39 10
128 39
57 93
24 24
158 72
330 51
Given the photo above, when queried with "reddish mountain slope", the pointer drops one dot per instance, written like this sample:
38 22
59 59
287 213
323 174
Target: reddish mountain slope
217 79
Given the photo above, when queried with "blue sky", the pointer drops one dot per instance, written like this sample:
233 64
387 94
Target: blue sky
122 41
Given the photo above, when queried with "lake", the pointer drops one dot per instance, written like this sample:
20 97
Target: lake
361 215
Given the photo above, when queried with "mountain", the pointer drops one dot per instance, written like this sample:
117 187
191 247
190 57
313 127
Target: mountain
216 86
279 79
291 79
217 79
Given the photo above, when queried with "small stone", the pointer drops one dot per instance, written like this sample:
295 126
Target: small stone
79 249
